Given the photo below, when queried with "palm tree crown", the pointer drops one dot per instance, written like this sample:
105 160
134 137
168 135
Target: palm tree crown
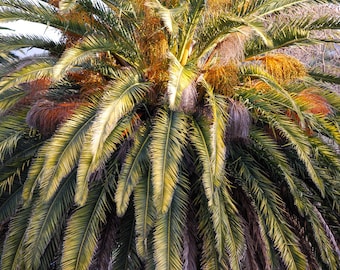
168 134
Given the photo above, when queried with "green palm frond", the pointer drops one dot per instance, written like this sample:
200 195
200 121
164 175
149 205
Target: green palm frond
9 202
17 42
210 258
12 253
168 236
180 78
15 166
9 98
125 256
218 107
227 226
90 164
39 69
47 220
166 151
145 213
83 230
12 129
121 97
269 206
196 8
302 202
200 138
324 77
67 144
295 138
134 167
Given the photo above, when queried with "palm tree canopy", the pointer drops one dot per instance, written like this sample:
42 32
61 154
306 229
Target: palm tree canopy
169 134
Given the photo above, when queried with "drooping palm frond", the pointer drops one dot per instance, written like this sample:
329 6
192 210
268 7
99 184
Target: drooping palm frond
83 229
168 235
166 150
121 97
17 42
89 165
47 221
125 256
145 214
67 145
267 202
36 70
11 257
134 168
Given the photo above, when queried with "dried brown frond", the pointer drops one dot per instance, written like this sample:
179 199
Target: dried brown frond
215 7
283 67
54 2
89 81
154 46
223 78
231 49
46 115
315 103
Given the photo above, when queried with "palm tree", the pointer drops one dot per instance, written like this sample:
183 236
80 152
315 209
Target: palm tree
168 135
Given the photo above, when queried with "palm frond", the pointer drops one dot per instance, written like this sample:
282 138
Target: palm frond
48 219
89 164
200 138
168 15
11 258
145 213
166 150
121 97
9 203
269 206
67 144
9 98
324 77
133 169
17 42
181 77
218 125
303 204
87 49
227 226
210 258
12 129
37 70
83 230
67 5
125 256
168 236
196 8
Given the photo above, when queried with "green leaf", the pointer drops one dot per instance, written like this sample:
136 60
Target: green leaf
83 230
200 138
64 148
121 98
168 236
145 214
166 149
133 169
13 247
181 77
47 219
